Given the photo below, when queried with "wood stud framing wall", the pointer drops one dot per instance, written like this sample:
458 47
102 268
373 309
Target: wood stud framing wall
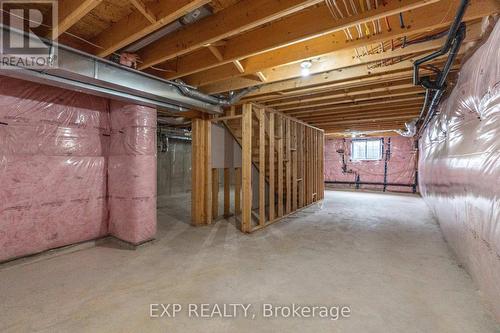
287 153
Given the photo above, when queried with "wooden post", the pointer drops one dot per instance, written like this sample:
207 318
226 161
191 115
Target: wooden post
201 196
288 168
308 166
246 167
271 167
294 165
262 166
215 193
227 192
280 166
301 165
237 191
208 169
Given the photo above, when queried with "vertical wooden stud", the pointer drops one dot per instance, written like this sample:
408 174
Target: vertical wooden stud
246 168
280 166
294 165
271 167
288 169
301 165
208 169
201 197
227 192
215 193
237 191
262 166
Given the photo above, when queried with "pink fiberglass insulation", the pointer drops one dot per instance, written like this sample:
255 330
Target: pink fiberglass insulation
460 167
53 147
132 172
398 153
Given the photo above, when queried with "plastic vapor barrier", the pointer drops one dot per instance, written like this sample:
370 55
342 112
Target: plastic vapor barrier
460 167
132 172
174 167
71 170
396 166
53 147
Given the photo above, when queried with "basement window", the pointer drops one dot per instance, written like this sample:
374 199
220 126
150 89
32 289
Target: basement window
366 149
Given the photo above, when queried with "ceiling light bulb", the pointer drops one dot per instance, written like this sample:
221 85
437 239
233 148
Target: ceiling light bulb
305 65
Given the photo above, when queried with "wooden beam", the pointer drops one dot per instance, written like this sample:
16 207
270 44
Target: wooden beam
360 121
226 118
374 117
144 10
262 77
346 93
388 100
246 166
308 24
216 52
135 26
418 20
375 112
72 11
235 19
210 80
355 74
262 166
239 66
362 97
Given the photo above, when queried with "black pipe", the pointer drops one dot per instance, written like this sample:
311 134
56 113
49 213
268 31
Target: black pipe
387 157
441 80
447 45
428 38
416 182
365 183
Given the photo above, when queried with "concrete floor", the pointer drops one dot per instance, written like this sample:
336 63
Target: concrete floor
380 254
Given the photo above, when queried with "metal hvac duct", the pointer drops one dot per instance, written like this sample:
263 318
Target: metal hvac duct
87 73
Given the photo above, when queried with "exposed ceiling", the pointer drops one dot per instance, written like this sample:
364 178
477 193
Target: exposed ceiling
358 53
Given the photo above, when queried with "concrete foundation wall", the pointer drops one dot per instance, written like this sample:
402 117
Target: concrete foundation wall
401 164
174 167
